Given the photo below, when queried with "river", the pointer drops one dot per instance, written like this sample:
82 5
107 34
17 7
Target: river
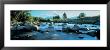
60 35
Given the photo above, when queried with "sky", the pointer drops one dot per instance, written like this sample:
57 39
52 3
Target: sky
70 13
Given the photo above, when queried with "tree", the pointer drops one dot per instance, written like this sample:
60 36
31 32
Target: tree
64 16
20 15
81 18
35 18
56 18
14 15
30 19
81 15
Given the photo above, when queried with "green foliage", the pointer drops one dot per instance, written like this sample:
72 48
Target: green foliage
64 16
25 16
20 15
81 15
56 17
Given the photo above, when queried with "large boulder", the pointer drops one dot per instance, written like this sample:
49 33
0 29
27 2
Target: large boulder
76 27
94 33
98 34
68 29
24 27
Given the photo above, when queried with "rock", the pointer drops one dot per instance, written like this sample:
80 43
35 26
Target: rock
71 29
20 27
76 27
24 27
93 34
31 28
68 29
36 27
98 34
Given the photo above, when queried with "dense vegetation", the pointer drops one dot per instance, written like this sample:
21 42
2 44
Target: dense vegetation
25 16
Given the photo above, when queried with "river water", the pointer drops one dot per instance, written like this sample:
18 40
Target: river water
59 35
